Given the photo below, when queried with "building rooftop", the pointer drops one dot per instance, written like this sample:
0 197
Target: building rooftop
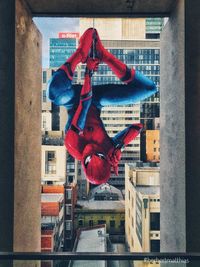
102 204
91 240
48 197
145 165
148 190
53 189
110 192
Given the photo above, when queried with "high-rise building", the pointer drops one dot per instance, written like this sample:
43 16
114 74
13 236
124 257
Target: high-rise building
153 27
62 48
142 210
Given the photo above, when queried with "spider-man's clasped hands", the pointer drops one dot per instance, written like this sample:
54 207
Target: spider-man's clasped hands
86 138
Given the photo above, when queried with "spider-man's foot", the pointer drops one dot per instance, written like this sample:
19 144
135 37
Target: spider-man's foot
81 54
119 68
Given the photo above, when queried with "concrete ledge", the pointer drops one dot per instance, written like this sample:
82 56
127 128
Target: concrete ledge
135 8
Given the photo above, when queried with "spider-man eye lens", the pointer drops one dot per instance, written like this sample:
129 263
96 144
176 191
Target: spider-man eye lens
100 155
87 160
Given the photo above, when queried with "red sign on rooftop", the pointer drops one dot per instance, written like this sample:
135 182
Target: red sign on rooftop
74 35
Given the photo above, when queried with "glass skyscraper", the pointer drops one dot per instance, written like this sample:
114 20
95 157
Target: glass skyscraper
60 50
153 27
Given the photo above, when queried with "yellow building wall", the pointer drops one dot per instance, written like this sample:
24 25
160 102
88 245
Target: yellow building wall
133 28
130 217
153 145
96 216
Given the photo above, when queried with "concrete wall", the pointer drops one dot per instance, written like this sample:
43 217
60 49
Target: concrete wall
172 134
27 132
20 130
180 130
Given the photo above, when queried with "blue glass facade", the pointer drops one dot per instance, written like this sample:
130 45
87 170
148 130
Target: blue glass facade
60 50
146 61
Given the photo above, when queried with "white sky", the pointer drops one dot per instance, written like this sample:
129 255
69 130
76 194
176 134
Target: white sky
49 28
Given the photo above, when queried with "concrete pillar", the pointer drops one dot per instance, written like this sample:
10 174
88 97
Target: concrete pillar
180 130
20 135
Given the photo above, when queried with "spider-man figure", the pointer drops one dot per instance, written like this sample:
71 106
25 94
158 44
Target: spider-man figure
86 138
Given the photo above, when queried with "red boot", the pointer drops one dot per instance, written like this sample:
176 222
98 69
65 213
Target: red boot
119 68
81 54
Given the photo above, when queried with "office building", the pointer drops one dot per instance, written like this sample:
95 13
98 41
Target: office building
105 205
53 167
62 48
52 221
142 210
153 27
70 199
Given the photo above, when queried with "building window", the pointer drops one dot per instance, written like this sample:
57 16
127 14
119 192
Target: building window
70 178
44 96
44 76
122 223
101 222
91 223
68 225
112 224
155 221
51 155
80 223
44 123
155 245
68 194
69 210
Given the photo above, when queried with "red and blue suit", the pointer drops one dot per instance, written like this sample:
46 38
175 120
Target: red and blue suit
86 138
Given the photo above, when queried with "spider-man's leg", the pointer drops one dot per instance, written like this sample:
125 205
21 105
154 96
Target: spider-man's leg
137 87
123 94
60 90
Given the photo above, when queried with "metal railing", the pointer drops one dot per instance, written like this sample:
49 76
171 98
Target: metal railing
98 256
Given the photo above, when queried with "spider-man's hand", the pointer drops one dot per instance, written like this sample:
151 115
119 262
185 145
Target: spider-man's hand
113 157
92 64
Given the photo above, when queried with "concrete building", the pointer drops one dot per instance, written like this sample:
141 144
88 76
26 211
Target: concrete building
53 117
154 27
20 138
93 239
53 169
70 200
62 48
105 206
142 210
52 218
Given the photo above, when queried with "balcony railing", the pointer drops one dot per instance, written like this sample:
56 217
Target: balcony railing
99 256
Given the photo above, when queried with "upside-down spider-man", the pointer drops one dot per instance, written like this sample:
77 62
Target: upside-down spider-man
86 138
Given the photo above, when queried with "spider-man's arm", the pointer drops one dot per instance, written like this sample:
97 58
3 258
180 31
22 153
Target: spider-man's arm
124 137
74 140
121 140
